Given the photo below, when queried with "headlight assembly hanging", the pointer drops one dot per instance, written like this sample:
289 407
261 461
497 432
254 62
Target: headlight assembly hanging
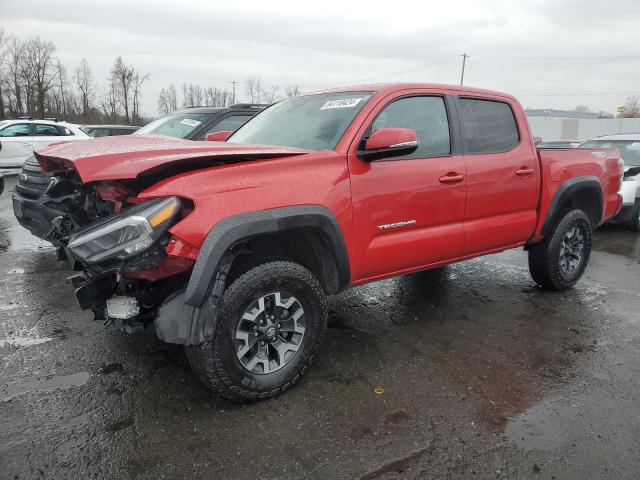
127 234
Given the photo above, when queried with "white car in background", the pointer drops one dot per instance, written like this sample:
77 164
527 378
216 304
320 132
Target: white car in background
19 138
628 144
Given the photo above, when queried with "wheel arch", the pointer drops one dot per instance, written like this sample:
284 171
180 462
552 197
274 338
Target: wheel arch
311 232
584 193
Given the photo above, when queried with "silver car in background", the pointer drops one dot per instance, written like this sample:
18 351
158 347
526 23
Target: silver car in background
628 145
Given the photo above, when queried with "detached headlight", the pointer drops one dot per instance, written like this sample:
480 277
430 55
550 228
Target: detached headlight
126 234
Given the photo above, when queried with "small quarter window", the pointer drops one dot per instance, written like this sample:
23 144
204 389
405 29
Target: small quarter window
44 130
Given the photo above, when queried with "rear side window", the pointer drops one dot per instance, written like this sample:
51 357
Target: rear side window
427 116
43 129
488 126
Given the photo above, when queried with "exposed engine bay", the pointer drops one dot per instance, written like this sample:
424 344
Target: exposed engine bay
119 244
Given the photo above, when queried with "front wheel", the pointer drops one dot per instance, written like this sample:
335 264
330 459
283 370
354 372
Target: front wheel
273 319
558 262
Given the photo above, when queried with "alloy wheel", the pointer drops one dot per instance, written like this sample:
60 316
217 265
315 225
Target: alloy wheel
571 251
270 332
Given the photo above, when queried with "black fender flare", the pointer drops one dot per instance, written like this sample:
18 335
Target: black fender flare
229 231
566 190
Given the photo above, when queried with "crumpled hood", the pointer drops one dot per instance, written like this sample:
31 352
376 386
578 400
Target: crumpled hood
127 156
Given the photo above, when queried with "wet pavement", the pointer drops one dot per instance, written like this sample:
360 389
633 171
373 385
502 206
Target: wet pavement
479 374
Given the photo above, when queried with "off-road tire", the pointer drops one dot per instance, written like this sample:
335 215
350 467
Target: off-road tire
216 363
544 257
634 224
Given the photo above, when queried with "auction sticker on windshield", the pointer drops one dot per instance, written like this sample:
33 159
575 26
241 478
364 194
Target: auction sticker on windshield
343 103
190 122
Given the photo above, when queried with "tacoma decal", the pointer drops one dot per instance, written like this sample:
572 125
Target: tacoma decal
388 226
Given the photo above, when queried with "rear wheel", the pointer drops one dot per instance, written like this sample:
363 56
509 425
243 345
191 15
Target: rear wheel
272 321
558 262
634 223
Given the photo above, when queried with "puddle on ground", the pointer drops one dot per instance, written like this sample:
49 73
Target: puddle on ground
20 341
55 383
617 241
543 426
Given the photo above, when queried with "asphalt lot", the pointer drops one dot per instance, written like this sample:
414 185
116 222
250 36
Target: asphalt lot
484 376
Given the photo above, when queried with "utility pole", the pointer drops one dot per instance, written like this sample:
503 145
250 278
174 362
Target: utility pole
233 96
464 62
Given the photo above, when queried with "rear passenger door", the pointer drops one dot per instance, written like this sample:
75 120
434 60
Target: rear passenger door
503 174
45 134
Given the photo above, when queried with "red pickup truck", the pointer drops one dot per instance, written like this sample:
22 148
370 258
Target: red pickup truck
229 247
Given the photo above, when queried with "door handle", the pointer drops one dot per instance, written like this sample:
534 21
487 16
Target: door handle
452 177
524 171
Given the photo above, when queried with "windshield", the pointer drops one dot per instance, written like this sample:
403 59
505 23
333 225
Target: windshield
629 149
311 122
177 126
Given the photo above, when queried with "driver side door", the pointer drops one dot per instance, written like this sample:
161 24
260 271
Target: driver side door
408 212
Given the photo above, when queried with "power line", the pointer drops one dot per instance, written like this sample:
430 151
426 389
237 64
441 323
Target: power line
559 59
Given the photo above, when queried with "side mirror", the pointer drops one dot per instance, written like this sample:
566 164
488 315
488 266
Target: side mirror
389 142
218 136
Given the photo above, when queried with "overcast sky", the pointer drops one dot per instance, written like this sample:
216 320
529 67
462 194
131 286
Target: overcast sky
549 53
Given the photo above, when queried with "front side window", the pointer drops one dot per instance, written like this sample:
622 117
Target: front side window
488 126
228 124
629 149
311 122
15 130
177 126
43 129
427 116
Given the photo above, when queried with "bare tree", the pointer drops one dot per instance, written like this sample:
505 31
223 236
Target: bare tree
193 95
139 79
83 79
253 88
14 81
270 95
168 100
292 91
39 69
124 77
4 39
582 109
62 90
163 102
172 98
631 107
110 102
216 97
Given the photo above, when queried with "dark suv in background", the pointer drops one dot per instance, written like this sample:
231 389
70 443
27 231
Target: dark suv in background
193 123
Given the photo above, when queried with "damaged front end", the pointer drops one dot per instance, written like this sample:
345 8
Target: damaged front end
119 245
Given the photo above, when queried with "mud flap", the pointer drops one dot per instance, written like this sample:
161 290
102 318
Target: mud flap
177 322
